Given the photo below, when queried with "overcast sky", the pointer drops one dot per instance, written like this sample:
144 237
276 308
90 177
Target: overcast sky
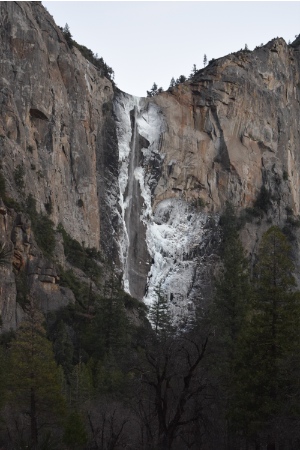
146 42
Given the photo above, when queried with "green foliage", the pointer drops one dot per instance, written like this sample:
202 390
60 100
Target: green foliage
19 174
42 226
233 291
81 257
131 303
22 289
110 327
160 315
44 233
270 340
80 289
34 383
8 201
285 175
75 435
63 347
231 305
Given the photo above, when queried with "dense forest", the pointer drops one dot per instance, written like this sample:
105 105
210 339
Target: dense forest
97 375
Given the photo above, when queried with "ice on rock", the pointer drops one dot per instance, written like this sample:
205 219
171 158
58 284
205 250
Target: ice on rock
122 107
149 125
171 236
175 228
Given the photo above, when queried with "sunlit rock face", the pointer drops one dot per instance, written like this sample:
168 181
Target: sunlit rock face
220 137
142 179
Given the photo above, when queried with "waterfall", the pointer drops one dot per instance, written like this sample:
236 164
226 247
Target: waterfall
131 197
139 129
157 248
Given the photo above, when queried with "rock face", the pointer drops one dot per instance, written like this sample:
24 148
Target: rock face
142 179
55 114
52 114
234 128
228 135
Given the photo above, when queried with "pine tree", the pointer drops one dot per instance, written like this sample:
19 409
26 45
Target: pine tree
233 286
181 79
194 71
159 314
172 82
63 348
75 435
270 340
34 380
68 36
204 60
231 304
153 90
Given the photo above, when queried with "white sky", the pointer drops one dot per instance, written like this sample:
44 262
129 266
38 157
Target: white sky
146 42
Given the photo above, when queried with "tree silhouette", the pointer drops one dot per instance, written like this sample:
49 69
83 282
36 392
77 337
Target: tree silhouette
270 341
34 382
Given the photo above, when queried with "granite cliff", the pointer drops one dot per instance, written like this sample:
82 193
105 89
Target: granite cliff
143 180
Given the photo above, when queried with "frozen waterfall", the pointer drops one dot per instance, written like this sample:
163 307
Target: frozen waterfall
157 249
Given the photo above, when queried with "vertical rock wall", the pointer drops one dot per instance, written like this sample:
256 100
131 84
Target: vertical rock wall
144 180
52 115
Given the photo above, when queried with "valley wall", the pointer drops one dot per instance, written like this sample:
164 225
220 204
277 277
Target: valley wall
143 180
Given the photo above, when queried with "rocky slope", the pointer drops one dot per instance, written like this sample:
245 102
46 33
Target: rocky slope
143 180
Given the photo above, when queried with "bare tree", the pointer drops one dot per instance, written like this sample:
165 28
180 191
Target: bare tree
173 384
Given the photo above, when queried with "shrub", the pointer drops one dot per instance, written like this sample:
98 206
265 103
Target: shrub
42 226
198 203
22 289
8 201
289 210
19 176
293 221
80 257
263 200
105 70
285 175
